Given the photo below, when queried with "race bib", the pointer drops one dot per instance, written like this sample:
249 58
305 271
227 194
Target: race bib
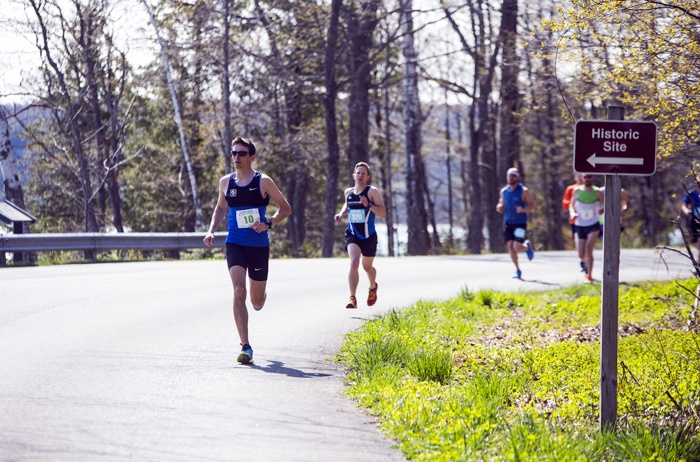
246 218
519 233
356 215
587 214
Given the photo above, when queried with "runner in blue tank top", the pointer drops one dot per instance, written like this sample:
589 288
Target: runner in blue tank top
690 208
245 195
362 202
514 203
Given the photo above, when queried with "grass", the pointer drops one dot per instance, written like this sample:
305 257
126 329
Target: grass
515 376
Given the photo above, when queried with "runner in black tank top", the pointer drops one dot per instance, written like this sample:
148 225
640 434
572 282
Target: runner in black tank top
362 202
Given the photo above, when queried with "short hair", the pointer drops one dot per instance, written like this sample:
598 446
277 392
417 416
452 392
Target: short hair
365 165
247 142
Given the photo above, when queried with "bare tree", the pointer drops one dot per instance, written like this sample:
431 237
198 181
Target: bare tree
68 117
483 53
184 147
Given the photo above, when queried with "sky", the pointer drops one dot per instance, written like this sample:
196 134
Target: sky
19 57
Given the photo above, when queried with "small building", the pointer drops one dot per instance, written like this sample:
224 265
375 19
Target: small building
15 216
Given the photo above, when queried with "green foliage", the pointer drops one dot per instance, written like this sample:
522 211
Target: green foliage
431 364
641 53
523 379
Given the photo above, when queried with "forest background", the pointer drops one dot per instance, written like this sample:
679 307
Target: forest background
124 111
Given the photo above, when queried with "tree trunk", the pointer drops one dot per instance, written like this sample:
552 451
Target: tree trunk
386 166
509 147
464 169
333 162
491 184
113 97
510 95
297 180
361 17
178 120
476 218
551 189
226 87
418 241
448 166
87 41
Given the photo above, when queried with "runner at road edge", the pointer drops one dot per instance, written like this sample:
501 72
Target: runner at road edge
362 202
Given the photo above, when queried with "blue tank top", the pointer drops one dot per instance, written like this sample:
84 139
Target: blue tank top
692 200
246 205
512 199
360 218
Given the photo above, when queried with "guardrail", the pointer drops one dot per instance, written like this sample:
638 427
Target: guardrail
103 241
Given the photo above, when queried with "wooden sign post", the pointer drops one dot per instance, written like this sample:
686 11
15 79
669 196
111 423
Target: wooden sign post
612 148
611 280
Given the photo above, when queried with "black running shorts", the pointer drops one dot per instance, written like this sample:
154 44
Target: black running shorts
368 246
254 259
584 231
511 232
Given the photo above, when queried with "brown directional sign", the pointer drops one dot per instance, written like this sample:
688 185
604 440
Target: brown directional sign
615 147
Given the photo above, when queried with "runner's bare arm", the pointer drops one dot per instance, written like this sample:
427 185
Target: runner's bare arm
219 212
339 215
529 202
572 206
499 206
269 188
375 202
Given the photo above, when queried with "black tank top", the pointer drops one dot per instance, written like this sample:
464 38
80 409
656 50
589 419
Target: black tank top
248 195
361 226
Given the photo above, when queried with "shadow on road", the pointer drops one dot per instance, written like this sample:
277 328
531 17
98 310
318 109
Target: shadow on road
278 367
537 281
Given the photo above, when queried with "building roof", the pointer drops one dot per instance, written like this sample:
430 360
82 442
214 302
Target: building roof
10 213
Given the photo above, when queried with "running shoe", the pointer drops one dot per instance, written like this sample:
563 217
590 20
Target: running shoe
584 267
518 274
372 297
353 302
256 308
246 355
589 278
530 253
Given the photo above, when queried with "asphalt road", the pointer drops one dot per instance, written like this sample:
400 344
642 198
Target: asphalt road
136 361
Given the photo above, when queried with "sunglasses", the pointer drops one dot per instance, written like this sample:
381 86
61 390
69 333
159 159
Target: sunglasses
239 153
587 176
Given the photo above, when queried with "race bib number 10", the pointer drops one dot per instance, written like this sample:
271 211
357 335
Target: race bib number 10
246 218
356 215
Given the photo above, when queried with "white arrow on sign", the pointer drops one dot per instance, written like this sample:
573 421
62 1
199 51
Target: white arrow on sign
593 160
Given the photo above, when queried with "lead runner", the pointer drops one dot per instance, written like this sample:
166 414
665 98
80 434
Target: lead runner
245 194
